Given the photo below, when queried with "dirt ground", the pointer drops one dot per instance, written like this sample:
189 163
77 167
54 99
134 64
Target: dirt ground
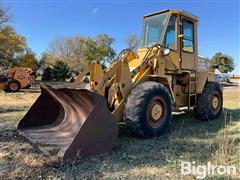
189 139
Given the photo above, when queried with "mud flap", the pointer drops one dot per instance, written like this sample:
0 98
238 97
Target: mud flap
64 123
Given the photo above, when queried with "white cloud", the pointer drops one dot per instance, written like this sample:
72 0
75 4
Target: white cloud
94 10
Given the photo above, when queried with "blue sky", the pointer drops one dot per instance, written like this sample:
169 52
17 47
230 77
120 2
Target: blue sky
41 21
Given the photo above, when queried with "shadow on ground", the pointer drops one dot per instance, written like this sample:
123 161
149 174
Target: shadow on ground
187 139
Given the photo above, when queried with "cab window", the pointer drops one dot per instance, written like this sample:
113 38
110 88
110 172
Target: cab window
153 27
188 36
170 39
153 34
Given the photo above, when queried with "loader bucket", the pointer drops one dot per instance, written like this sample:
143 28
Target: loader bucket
64 123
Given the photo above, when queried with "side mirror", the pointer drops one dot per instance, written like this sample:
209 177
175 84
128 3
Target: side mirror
166 52
215 66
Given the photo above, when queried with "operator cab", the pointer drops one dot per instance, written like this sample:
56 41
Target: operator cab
174 30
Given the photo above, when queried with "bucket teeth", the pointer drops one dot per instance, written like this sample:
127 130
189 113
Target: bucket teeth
64 123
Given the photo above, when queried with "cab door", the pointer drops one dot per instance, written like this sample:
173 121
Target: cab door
188 46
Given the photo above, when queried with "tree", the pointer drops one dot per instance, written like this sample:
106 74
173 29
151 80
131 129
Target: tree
67 49
11 46
47 59
99 49
61 48
4 17
91 51
104 43
224 61
78 61
78 51
132 41
28 59
61 71
47 74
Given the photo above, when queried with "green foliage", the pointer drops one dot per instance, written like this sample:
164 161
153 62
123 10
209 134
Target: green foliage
47 74
77 51
104 42
99 49
90 51
61 71
224 61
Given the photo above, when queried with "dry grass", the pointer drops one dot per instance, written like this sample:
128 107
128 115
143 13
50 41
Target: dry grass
217 141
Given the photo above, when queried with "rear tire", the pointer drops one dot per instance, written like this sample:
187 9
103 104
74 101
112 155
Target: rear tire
209 103
148 109
13 86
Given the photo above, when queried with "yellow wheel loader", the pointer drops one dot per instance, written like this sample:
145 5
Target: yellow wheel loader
16 78
140 89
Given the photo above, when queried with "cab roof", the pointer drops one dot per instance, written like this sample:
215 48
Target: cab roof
175 11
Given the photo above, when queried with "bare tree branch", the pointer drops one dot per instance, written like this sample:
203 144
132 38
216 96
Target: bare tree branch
4 16
132 41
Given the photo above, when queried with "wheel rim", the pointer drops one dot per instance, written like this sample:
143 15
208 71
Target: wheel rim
215 102
156 112
13 86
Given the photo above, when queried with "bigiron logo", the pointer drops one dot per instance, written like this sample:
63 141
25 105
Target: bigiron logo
201 171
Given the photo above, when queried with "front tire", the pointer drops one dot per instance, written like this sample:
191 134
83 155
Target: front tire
13 86
148 109
209 103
